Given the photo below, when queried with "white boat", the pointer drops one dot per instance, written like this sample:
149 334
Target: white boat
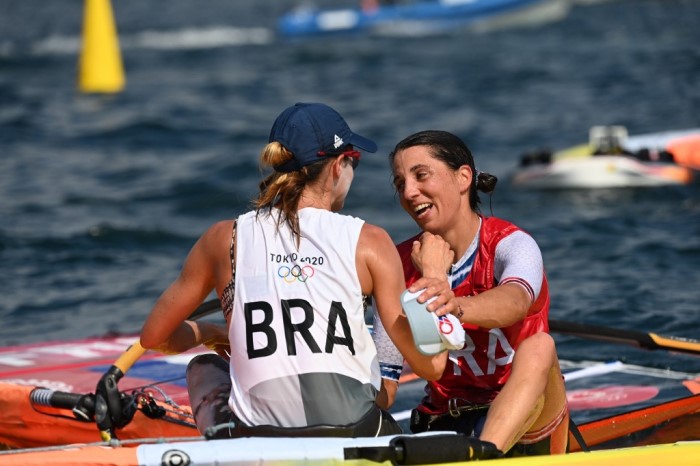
612 159
445 447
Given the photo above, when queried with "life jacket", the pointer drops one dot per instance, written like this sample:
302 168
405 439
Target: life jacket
478 371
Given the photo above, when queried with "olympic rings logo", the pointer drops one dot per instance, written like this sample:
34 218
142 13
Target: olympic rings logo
296 273
445 325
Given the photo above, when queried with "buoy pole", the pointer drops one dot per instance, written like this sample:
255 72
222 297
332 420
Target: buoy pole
101 69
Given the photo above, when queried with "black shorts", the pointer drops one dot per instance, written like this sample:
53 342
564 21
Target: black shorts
209 387
471 421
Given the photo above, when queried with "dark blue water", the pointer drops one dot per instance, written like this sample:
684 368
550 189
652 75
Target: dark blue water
101 197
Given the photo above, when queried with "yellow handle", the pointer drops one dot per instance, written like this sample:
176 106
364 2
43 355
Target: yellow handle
130 356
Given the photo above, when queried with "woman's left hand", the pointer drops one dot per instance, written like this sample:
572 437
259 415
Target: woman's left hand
215 337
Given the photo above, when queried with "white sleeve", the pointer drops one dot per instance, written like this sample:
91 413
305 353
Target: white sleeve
519 260
390 358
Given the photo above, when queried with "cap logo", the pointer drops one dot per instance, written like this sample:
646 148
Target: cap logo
338 141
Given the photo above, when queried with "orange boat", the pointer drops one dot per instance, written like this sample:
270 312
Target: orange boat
47 401
437 447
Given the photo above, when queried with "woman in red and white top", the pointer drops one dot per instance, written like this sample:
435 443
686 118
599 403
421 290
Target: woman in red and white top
505 385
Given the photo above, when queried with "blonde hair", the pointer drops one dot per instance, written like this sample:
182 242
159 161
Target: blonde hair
283 190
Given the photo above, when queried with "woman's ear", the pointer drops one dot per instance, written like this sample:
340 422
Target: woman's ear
338 166
465 178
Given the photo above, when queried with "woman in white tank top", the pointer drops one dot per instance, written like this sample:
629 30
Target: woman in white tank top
295 356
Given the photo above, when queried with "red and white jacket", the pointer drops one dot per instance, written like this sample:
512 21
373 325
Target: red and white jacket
477 372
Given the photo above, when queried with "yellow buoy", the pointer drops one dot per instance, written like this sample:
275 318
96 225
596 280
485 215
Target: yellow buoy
101 67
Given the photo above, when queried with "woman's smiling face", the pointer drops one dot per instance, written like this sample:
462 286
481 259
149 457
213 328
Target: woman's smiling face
429 190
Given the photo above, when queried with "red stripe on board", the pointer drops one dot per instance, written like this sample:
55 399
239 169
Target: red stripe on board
693 385
609 397
75 365
615 427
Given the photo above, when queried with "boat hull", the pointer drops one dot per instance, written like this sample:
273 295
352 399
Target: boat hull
419 18
257 451
76 366
646 160
606 171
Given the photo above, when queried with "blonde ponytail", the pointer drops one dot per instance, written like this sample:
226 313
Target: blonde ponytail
283 190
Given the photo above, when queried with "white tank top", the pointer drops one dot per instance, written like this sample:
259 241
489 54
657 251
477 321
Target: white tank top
301 353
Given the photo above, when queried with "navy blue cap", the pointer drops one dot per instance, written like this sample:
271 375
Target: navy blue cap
310 131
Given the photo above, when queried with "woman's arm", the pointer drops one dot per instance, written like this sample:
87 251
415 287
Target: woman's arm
518 265
498 307
381 274
387 394
166 328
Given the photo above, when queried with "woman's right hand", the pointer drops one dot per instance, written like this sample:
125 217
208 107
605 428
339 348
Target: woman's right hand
432 255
